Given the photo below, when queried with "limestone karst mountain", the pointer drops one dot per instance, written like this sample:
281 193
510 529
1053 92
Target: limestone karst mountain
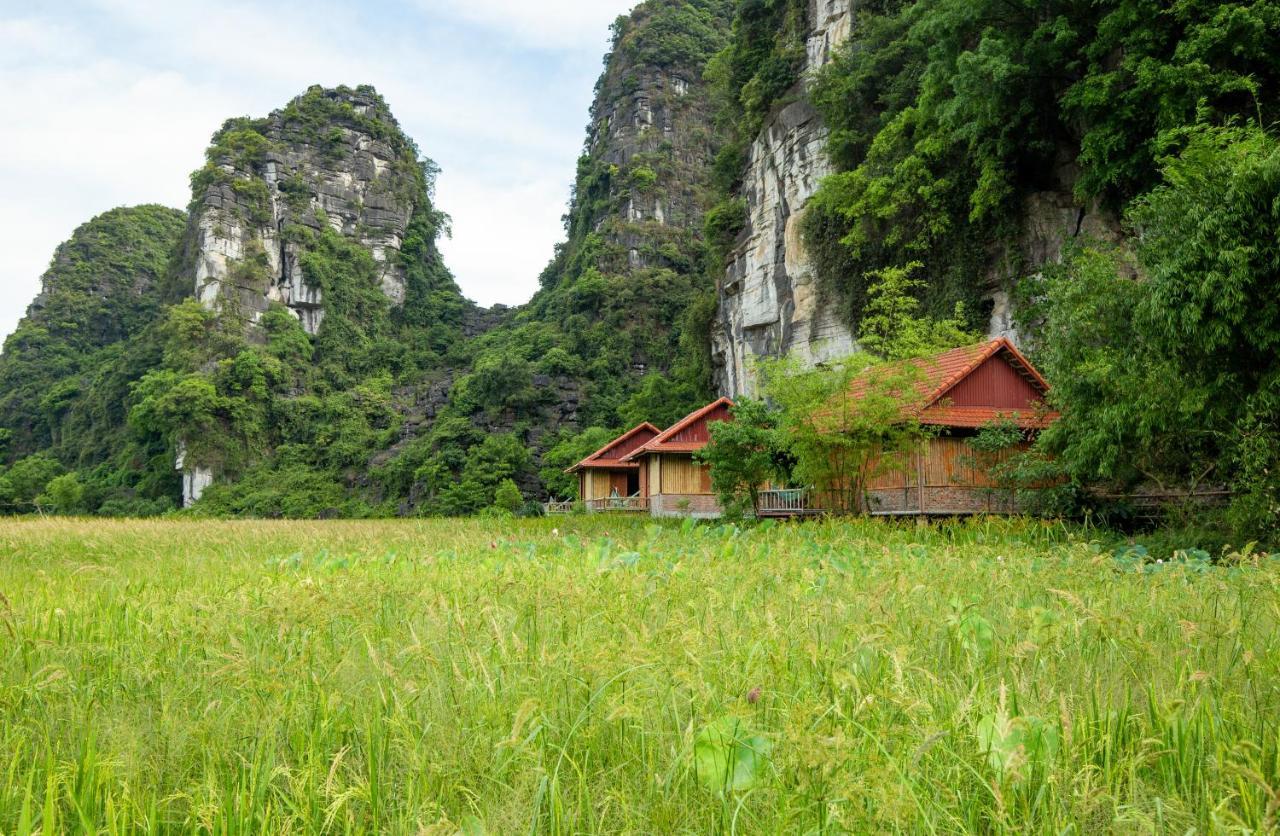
65 371
331 158
296 345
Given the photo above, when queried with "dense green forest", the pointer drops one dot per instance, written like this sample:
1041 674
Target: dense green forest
391 409
947 118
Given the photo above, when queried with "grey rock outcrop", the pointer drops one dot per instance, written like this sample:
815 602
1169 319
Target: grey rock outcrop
649 122
332 157
769 304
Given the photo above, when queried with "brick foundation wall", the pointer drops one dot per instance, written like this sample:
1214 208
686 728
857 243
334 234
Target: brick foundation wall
944 500
700 506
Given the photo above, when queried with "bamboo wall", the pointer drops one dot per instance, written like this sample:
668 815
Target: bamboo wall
679 475
944 462
601 484
946 476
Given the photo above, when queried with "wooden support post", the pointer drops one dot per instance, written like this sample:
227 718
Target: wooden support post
920 470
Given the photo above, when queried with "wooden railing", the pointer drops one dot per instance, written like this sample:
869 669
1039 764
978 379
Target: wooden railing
789 502
622 504
625 504
803 502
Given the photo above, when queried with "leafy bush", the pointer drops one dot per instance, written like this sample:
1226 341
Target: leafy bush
23 483
63 495
1166 373
508 497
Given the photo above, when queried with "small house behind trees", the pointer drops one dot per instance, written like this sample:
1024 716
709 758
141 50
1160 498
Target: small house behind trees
607 481
959 394
676 484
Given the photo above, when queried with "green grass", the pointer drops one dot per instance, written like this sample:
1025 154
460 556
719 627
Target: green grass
503 677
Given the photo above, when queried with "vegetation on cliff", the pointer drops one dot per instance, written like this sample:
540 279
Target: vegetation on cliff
290 422
947 119
117 370
621 318
946 114
66 372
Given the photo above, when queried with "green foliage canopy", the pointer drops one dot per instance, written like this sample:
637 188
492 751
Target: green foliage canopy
1166 370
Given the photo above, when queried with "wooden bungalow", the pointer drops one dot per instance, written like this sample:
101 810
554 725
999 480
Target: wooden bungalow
961 392
678 486
957 394
607 481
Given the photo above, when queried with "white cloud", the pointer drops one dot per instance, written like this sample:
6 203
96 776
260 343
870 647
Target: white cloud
118 99
545 24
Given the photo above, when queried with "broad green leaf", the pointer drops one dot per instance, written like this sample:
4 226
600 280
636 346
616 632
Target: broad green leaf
728 757
1015 745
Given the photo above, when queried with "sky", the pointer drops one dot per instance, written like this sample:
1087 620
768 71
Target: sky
113 102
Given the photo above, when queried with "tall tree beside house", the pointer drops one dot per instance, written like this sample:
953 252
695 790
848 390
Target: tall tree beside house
744 454
841 435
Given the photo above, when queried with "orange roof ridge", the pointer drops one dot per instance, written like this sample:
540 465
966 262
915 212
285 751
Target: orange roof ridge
675 428
598 455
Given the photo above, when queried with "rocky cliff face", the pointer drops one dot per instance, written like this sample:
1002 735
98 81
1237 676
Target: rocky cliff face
769 304
332 157
617 293
645 133
642 182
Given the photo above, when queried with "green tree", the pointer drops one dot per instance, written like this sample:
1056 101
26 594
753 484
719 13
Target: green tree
845 423
1169 370
63 495
744 455
22 483
507 497
892 327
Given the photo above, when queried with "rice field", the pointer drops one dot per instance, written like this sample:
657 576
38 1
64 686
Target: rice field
582 676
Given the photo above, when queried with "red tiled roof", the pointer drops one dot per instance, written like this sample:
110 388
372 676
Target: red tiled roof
601 459
941 373
662 442
977 417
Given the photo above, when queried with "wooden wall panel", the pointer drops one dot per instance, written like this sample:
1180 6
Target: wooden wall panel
947 462
618 483
997 384
896 471
698 431
681 475
601 484
621 449
597 484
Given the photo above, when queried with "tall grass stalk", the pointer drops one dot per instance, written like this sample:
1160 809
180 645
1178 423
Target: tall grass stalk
553 677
